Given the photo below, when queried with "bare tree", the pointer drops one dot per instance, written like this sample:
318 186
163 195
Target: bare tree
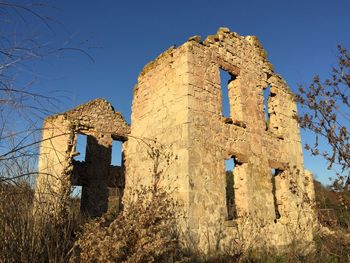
27 37
327 114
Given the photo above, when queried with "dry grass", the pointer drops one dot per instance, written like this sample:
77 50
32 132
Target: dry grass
333 207
143 232
24 239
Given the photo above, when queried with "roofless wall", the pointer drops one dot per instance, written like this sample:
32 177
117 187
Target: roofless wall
263 198
179 101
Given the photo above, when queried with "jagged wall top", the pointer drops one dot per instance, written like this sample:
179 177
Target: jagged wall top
96 116
221 35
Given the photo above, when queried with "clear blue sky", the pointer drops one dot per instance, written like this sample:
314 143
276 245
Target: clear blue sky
300 38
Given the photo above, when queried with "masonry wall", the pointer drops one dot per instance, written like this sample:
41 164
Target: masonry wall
177 109
259 145
159 113
51 184
102 184
178 102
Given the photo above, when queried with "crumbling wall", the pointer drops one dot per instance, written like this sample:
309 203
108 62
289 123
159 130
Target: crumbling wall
178 101
178 104
54 166
159 112
102 184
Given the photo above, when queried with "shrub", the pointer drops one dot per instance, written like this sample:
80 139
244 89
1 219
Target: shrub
145 231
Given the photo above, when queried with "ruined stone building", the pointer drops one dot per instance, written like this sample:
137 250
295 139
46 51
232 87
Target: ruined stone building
178 102
102 183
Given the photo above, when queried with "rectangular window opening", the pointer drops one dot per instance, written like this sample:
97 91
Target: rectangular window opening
75 196
225 79
81 148
116 153
266 93
274 173
230 191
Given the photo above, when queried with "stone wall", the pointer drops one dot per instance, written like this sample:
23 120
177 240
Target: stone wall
178 105
178 102
102 184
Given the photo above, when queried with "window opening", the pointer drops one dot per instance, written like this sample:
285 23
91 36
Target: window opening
225 78
75 196
116 153
266 93
76 191
274 173
81 148
230 192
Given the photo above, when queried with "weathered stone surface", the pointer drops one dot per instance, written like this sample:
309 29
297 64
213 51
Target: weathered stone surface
178 103
57 169
195 38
